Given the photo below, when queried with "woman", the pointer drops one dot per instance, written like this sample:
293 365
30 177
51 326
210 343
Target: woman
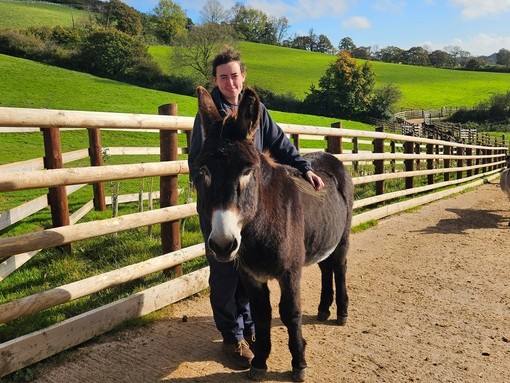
230 305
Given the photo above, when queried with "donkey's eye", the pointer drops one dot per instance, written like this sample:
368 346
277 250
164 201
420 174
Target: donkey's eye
205 171
206 174
246 172
244 179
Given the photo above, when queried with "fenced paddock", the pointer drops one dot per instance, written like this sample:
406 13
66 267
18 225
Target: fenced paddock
425 169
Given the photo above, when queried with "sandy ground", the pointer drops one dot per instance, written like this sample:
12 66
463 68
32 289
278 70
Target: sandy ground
429 302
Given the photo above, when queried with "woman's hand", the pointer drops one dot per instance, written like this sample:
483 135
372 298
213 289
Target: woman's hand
314 179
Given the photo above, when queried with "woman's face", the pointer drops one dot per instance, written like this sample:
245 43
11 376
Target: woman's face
230 79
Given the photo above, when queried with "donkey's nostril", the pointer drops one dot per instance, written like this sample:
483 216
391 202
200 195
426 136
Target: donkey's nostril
224 250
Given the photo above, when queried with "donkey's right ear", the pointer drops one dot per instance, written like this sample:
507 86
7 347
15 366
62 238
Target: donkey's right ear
207 109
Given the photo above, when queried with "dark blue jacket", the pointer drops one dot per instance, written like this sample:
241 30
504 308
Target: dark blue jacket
269 136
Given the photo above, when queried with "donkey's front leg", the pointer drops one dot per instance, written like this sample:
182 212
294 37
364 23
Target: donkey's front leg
290 313
260 307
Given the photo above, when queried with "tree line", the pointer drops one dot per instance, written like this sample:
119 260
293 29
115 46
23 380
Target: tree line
168 22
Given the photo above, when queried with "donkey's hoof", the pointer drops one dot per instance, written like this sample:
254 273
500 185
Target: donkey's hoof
322 316
298 374
341 320
256 374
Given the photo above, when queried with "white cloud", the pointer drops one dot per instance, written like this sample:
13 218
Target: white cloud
298 10
357 22
475 9
486 44
482 44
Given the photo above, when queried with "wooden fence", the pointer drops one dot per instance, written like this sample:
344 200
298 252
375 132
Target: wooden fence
440 168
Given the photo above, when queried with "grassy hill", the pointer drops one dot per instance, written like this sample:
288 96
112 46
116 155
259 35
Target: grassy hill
22 14
28 84
285 70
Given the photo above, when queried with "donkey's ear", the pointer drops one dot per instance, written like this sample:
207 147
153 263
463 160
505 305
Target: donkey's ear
207 109
248 113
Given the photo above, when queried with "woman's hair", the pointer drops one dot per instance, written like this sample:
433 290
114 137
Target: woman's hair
226 55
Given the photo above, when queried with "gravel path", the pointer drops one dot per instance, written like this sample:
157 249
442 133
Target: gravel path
430 302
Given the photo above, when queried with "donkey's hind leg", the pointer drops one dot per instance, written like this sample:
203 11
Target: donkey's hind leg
326 267
339 260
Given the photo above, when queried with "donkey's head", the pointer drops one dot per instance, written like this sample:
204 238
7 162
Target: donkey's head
230 166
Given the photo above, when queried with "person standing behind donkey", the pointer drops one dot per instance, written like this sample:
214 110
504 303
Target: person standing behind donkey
229 301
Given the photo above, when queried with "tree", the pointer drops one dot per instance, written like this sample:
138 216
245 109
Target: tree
391 54
441 59
364 53
503 57
121 16
346 44
300 42
249 23
476 63
214 12
281 26
461 57
111 53
384 101
345 90
196 49
171 21
416 56
324 45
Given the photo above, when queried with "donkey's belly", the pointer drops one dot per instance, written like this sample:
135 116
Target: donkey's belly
324 228
325 217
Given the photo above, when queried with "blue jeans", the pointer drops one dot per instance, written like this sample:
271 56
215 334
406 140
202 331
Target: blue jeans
229 301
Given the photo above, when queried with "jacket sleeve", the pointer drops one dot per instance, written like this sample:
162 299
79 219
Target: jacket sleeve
281 149
195 147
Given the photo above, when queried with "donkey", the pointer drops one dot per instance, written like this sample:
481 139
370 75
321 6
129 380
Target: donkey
273 222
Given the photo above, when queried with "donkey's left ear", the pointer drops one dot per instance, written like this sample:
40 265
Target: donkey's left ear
248 112
208 112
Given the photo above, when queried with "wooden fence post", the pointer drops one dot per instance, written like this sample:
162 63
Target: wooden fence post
355 150
446 162
409 163
460 162
295 140
379 164
57 196
393 162
335 142
168 189
417 150
96 159
430 163
469 161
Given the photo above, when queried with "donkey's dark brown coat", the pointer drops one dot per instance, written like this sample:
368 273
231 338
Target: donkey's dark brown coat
272 221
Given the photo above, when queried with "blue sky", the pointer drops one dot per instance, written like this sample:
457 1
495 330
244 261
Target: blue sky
476 26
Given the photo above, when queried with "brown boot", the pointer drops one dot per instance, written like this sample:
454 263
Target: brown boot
238 353
250 339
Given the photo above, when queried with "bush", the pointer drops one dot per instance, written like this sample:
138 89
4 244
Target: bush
20 44
111 53
284 103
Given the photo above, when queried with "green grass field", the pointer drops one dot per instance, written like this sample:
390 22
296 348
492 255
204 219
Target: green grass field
286 70
21 14
282 70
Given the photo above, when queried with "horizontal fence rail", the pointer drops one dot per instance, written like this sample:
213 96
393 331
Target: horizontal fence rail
428 168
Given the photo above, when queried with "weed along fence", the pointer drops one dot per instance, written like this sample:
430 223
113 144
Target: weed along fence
391 172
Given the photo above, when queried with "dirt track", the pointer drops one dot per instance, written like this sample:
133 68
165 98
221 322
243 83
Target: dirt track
430 302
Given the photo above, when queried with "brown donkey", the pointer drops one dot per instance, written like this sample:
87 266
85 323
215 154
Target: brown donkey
272 221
